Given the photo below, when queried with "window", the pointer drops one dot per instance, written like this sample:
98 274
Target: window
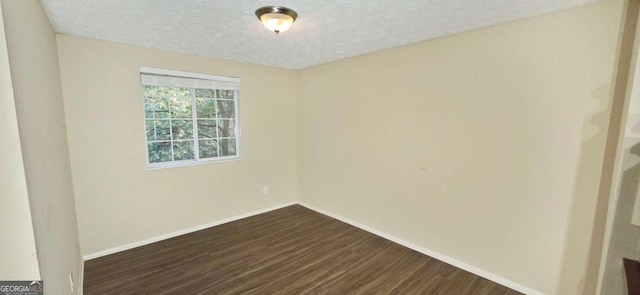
190 118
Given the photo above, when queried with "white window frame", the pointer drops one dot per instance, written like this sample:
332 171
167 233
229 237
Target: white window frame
195 78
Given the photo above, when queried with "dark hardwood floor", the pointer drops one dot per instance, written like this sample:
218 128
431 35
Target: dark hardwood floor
288 251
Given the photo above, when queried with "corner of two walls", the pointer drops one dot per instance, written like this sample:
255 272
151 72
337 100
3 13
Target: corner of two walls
624 238
486 146
119 202
40 113
18 249
466 145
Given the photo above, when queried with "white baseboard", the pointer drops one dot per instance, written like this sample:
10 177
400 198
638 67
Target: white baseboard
180 232
444 258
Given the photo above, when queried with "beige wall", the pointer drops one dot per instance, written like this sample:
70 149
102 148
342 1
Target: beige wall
18 247
117 199
475 146
624 239
484 146
588 218
36 83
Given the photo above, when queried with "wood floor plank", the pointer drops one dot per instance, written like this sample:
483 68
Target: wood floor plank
288 251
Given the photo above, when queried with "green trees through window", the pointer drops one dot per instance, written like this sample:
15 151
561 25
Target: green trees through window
189 123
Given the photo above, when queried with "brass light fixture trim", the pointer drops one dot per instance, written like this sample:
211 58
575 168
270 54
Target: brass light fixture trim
276 18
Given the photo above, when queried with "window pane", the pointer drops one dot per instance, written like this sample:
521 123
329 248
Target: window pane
148 107
183 150
158 131
162 130
226 109
227 147
170 114
155 91
227 128
206 108
182 129
161 107
151 131
159 152
181 107
207 129
208 148
156 106
177 92
147 90
210 93
226 94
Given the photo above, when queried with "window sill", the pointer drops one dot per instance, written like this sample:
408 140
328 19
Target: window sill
161 166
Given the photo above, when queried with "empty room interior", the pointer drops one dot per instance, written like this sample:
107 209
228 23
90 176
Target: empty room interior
319 147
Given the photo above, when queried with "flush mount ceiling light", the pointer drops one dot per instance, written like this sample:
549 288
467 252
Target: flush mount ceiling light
276 18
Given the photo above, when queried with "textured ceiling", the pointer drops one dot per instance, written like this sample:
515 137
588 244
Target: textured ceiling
325 30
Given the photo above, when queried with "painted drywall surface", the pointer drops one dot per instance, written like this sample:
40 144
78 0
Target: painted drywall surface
36 82
625 236
468 145
18 247
118 200
588 215
632 132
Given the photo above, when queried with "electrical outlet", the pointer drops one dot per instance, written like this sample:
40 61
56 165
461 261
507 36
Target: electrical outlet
265 190
71 280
